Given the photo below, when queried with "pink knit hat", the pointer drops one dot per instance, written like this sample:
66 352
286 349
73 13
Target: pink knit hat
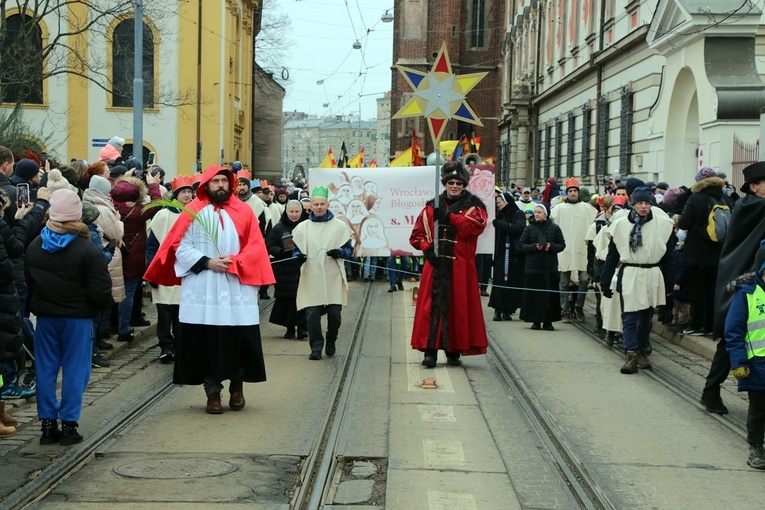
705 173
65 205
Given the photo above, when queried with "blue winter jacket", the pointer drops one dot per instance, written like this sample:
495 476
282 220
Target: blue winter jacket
735 332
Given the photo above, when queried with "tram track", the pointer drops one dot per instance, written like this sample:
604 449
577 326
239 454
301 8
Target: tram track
116 425
319 468
584 488
677 386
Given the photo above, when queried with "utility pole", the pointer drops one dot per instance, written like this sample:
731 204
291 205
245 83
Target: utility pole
138 83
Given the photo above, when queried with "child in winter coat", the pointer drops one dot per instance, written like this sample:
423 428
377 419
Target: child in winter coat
681 290
745 336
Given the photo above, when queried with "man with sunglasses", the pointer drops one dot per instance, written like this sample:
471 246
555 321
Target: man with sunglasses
449 314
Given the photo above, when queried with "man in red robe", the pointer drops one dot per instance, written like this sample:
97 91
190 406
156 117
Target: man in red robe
449 314
219 258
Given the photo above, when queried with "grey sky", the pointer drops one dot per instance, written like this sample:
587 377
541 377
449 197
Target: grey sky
322 37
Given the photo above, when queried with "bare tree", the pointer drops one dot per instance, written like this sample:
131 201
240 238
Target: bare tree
272 28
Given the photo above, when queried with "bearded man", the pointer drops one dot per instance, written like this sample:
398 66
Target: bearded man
219 258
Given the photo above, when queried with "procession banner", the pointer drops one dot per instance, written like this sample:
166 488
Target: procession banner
381 205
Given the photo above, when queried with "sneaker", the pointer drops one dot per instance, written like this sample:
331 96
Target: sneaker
125 337
693 332
630 366
756 457
400 286
566 319
713 404
579 313
392 289
15 391
330 349
454 362
166 357
97 361
315 355
610 338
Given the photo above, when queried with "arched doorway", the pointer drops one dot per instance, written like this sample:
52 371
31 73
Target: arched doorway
681 139
127 151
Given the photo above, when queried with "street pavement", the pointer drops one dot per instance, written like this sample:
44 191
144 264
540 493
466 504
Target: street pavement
464 445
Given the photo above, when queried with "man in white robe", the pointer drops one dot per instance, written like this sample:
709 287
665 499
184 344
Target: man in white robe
219 257
574 218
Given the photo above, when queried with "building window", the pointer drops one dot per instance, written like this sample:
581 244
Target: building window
558 146
604 107
570 144
585 140
625 133
478 23
21 54
123 64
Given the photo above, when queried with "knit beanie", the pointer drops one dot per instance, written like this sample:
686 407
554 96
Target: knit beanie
89 212
101 184
117 142
671 195
26 169
70 174
632 184
56 182
642 194
705 173
65 206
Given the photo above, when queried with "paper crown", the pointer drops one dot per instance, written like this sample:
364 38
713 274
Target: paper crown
196 178
620 200
243 174
264 183
320 191
183 181
572 183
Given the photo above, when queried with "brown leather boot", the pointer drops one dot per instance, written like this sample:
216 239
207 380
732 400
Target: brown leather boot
236 388
630 366
213 404
642 360
5 418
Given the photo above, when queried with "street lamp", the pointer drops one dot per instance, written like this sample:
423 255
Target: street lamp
387 16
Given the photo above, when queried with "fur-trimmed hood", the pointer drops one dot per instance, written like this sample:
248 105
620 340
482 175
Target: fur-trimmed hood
744 279
709 182
130 189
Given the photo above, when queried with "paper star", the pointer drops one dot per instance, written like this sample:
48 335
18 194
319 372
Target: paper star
439 95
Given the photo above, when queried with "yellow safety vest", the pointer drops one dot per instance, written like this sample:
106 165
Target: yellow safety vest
755 324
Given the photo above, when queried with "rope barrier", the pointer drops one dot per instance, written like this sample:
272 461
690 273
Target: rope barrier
376 267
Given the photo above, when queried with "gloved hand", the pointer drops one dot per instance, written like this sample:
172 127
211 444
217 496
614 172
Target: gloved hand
740 372
442 215
607 292
110 248
430 254
334 253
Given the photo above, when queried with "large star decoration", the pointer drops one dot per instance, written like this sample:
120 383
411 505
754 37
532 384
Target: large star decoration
439 95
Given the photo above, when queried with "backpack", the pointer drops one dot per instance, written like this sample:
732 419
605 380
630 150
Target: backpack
717 222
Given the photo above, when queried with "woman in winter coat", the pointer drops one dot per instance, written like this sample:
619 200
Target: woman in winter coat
130 194
287 272
109 220
541 242
508 261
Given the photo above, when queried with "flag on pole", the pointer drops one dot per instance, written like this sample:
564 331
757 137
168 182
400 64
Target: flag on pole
403 159
416 159
342 161
358 160
488 161
328 161
459 150
373 163
475 143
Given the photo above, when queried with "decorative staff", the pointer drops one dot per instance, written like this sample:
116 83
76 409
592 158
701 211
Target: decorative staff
439 96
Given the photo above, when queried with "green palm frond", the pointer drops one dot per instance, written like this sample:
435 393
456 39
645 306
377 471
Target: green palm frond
208 226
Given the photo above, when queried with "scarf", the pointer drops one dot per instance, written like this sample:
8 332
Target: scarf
636 236
69 227
246 197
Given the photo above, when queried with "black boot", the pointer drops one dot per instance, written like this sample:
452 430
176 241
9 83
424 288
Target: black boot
507 316
69 434
50 432
497 315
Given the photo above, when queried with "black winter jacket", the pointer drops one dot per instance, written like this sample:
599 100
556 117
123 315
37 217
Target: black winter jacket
286 269
699 250
541 261
10 314
71 282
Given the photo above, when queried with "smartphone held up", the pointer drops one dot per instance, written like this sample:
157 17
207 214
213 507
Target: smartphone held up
22 195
